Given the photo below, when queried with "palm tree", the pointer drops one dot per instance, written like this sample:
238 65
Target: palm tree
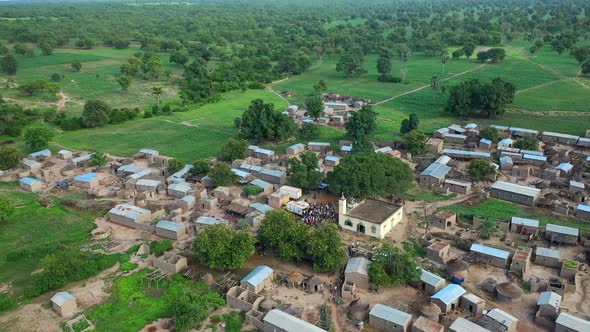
486 228
444 58
435 84
404 56
157 93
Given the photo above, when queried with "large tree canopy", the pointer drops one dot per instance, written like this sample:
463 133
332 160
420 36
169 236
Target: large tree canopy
361 128
220 247
304 173
261 122
391 267
370 174
472 98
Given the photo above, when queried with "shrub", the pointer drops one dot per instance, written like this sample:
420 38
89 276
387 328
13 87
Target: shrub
128 266
389 78
7 302
160 247
252 190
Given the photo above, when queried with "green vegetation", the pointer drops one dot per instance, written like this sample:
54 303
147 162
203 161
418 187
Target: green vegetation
128 266
486 228
252 190
133 304
159 247
497 209
222 175
571 264
480 169
391 266
80 326
419 194
303 171
219 247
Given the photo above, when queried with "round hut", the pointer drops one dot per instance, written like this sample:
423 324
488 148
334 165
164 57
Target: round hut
267 305
358 311
314 285
431 311
456 267
295 279
508 292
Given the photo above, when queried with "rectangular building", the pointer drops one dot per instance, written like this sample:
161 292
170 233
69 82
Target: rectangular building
466 154
566 322
560 138
170 230
389 319
548 257
489 255
583 211
524 225
457 186
279 321
447 299
515 193
561 234
463 325
455 139
434 174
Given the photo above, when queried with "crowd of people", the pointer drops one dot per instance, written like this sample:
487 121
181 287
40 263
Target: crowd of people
318 213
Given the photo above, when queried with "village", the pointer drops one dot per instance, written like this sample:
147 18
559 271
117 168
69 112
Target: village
527 276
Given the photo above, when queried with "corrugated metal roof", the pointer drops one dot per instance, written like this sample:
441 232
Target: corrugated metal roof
180 186
30 162
457 182
517 189
582 207
128 210
82 158
562 229
546 252
500 127
506 142
443 131
390 314
188 198
288 323
205 220
506 160
170 225
436 170
577 184
467 153
88 177
385 149
560 135
457 128
485 141
470 126
533 152
572 322
318 144
443 160
332 158
308 120
297 146
272 172
348 148
480 248
256 276
566 167
449 294
330 103
149 151
263 208
550 298
129 169
525 222
45 152
28 180
178 175
240 173
358 265
261 183
534 157
293 107
141 174
148 183
502 317
457 136
430 278
473 298
62 297
524 130
463 325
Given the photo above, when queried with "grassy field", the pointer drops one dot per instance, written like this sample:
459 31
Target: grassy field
497 209
197 133
32 226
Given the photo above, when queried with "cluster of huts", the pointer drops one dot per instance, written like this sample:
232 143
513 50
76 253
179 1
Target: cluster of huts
337 110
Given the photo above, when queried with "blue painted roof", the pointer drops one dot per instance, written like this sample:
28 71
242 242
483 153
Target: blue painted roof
470 126
188 198
449 294
329 103
582 207
348 148
308 120
479 248
566 167
88 177
259 274
332 158
129 169
28 180
506 160
40 153
485 141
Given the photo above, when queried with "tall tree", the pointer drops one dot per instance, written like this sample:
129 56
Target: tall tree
99 159
6 209
391 267
304 173
8 64
351 63
384 64
361 128
404 57
435 84
414 142
261 122
286 236
234 149
222 175
96 113
37 138
324 246
221 248
9 157
157 92
444 58
314 105
481 169
76 65
468 49
124 82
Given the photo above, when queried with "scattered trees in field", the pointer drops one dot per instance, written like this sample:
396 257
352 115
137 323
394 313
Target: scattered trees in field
9 157
391 267
37 138
8 64
351 62
409 124
12 119
492 55
39 87
480 169
472 98
76 65
221 248
124 82
370 174
361 128
303 173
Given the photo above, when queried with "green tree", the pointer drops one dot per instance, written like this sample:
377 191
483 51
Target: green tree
96 113
384 64
261 122
234 149
200 167
157 93
37 138
76 65
222 175
486 229
221 248
435 84
490 133
55 77
320 87
314 105
351 63
9 157
480 169
527 143
175 165
191 307
324 247
361 128
370 174
124 82
458 53
391 267
303 173
99 159
586 67
472 98
47 46
6 209
286 236
415 142
309 131
409 124
8 64
444 58
468 49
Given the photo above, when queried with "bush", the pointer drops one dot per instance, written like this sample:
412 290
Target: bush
147 114
389 78
7 302
160 247
71 124
256 85
252 190
128 266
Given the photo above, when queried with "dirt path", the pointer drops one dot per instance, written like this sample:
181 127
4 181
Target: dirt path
427 86
61 103
536 86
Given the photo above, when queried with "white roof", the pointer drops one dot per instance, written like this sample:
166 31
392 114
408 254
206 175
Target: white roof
443 160
550 298
516 188
572 322
149 151
472 298
524 130
45 152
560 135
62 297
205 220
562 229
288 323
358 265
463 325
332 158
457 182
430 278
525 222
502 317
582 207
534 157
256 276
480 248
181 186
577 184
546 252
390 314
566 167
128 210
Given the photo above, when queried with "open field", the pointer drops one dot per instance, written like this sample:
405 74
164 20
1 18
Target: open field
31 227
497 209
197 133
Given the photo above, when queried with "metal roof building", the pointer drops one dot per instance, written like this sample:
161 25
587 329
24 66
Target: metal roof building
565 167
430 278
257 278
358 265
449 294
550 298
501 128
582 207
277 320
262 208
463 325
28 181
262 184
562 230
206 220
489 251
82 158
139 175
150 152
388 314
241 174
525 222
515 193
129 211
436 170
42 153
62 297
502 317
466 154
443 160
568 322
546 252
348 148
129 169
87 178
550 134
332 158
485 141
